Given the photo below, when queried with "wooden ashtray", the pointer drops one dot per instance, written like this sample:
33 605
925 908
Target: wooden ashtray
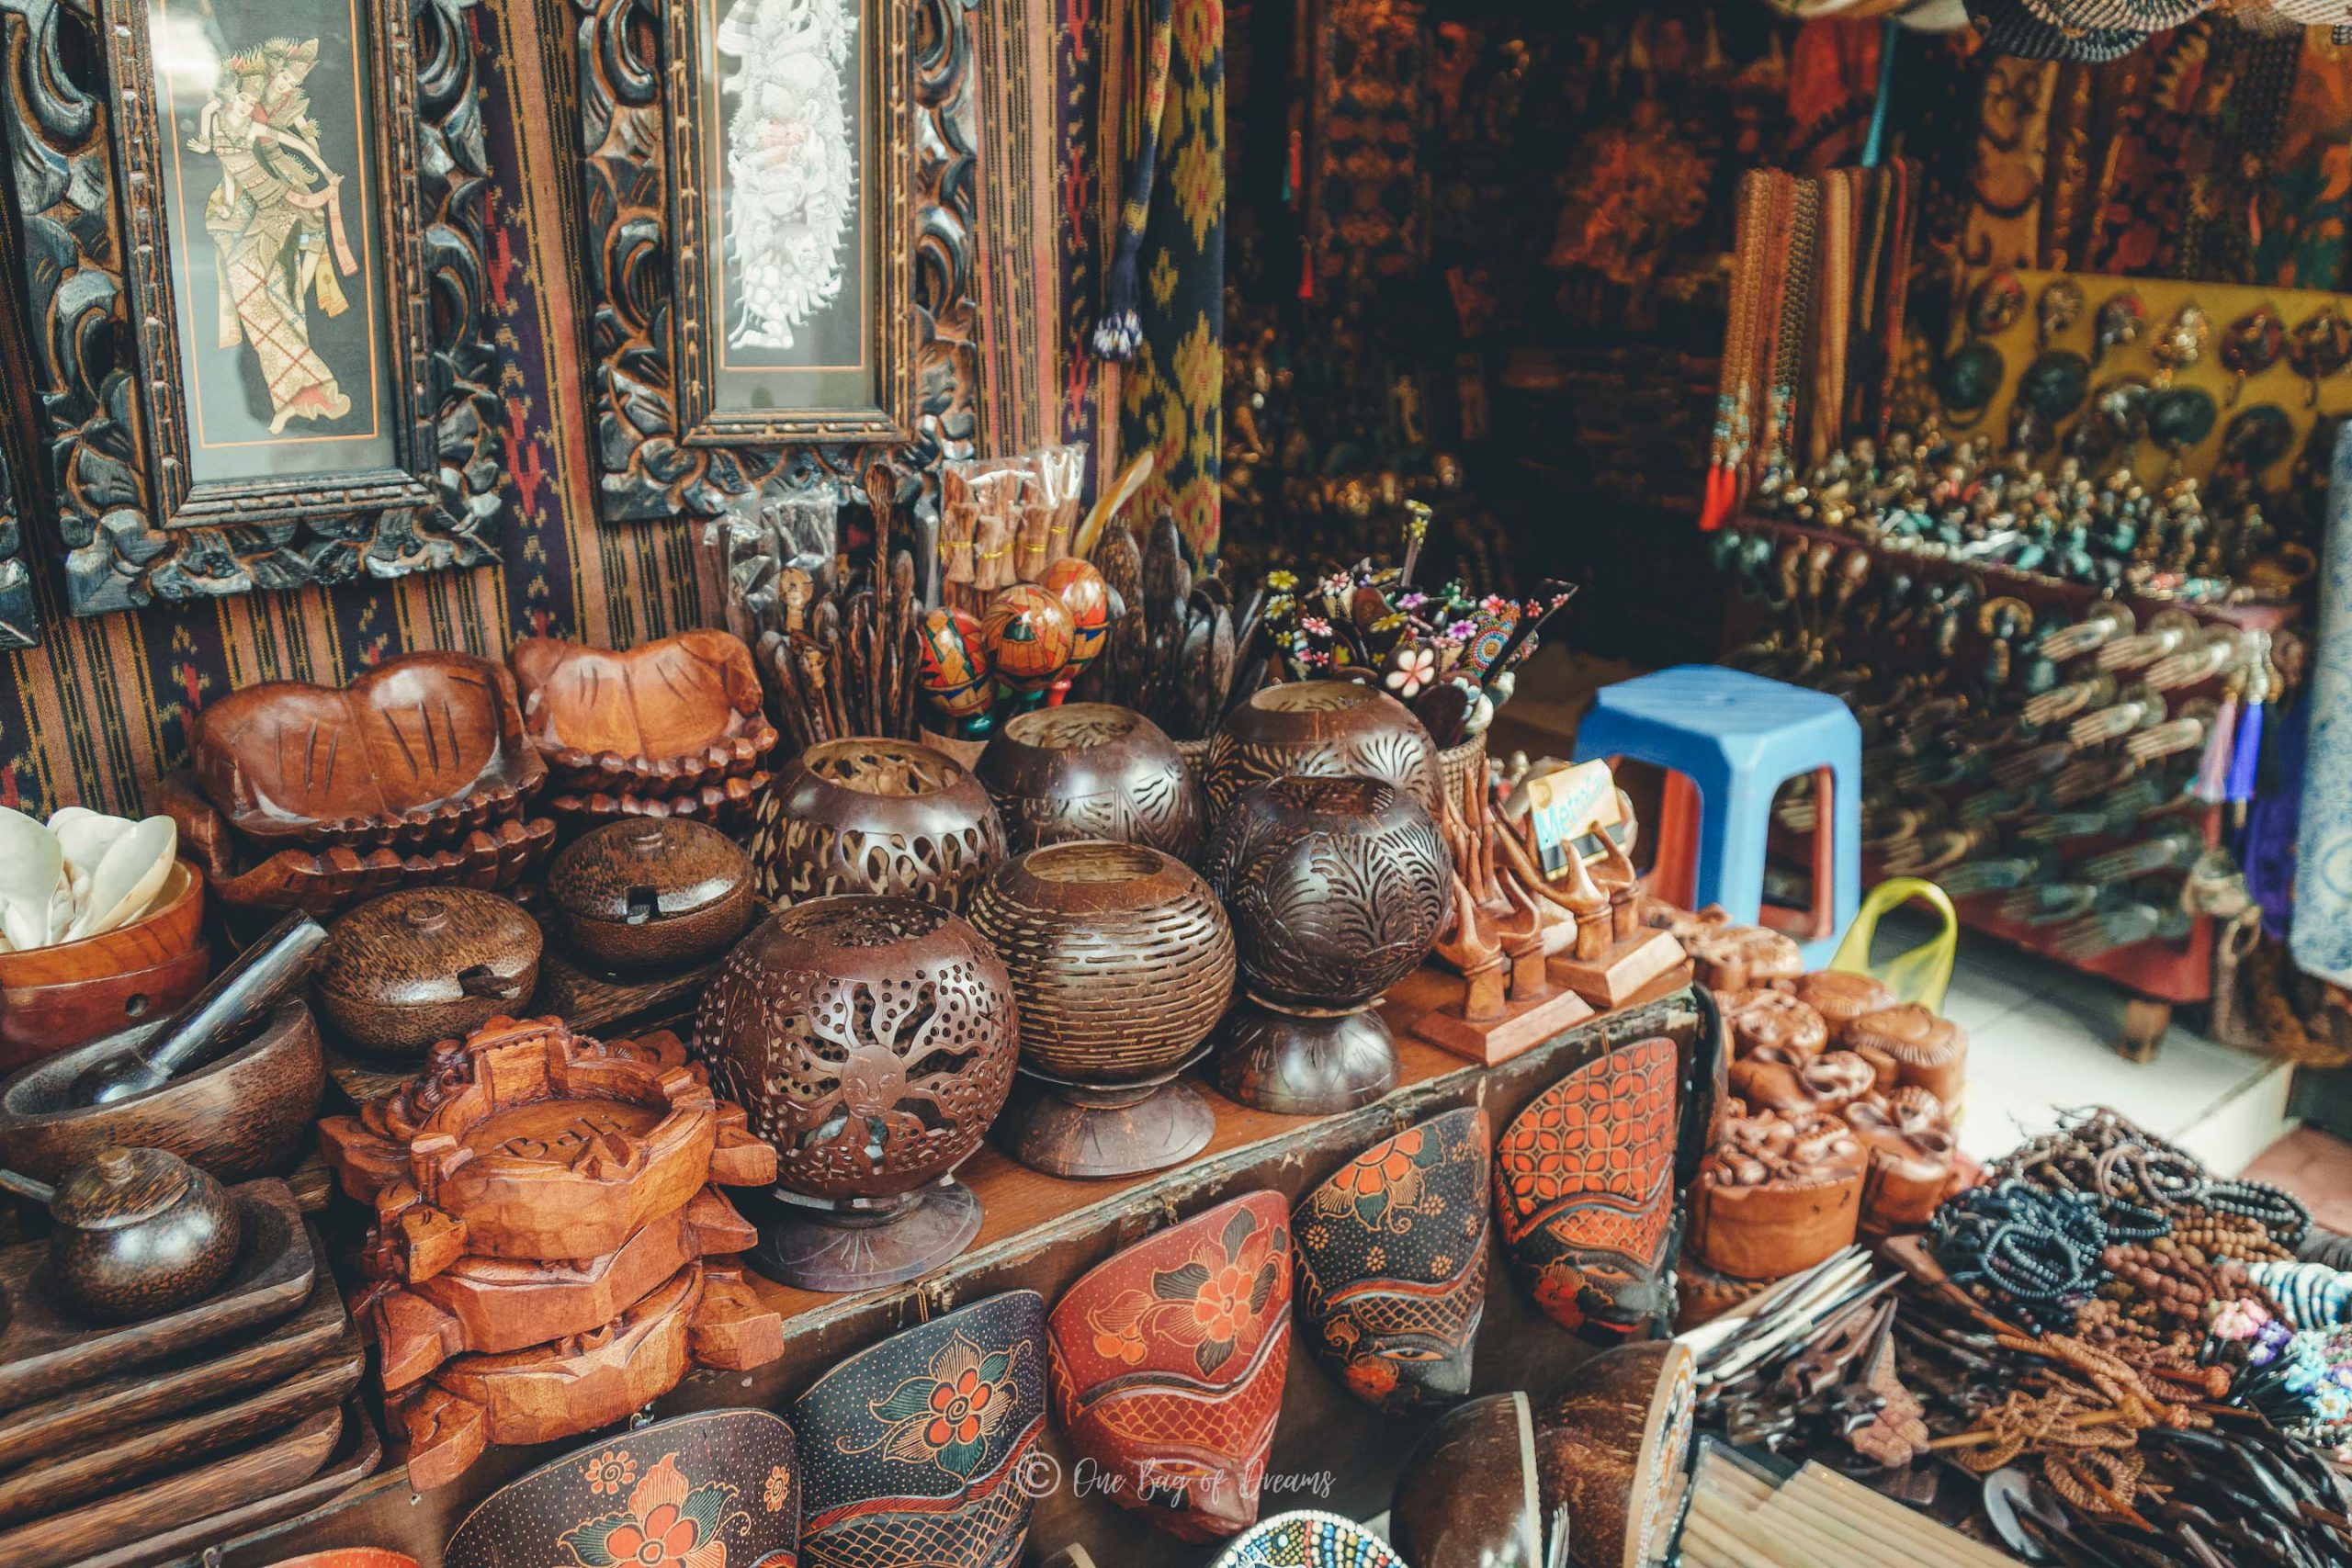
495 1305
247 1113
419 751
55 997
703 1314
526 1141
47 1349
678 714
321 881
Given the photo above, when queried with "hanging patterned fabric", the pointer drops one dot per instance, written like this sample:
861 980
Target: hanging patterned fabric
2322 938
1368 202
1019 263
1089 49
1833 84
2250 78
1171 393
2304 207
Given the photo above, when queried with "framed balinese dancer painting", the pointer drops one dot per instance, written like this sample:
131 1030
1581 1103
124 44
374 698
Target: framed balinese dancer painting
778 208
254 257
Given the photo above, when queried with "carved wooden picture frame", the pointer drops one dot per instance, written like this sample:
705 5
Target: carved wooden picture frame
669 440
112 190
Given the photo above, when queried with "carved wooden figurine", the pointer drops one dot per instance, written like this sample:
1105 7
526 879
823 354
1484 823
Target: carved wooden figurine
1777 1194
527 1141
1913 1159
1329 729
1392 1263
914 1450
425 965
872 1041
1337 887
1910 1047
1772 1020
1168 1362
1612 1450
1092 771
1840 999
1584 1191
863 816
1122 963
1467 1496
719 1489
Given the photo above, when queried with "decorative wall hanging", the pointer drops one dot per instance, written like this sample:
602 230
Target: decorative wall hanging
1584 1193
720 1489
1337 887
1392 1263
257 256
1122 962
873 1040
915 1450
1168 1362
779 227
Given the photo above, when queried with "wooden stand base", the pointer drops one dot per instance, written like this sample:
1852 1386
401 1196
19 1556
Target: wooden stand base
1523 1027
1095 1134
842 1251
1302 1064
1613 981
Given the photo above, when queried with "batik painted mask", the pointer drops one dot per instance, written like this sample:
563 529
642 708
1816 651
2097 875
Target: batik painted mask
1168 1363
1584 1191
1392 1263
720 1488
914 1452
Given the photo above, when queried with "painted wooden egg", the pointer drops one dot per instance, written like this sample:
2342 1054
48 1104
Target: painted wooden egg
1028 637
954 669
1083 592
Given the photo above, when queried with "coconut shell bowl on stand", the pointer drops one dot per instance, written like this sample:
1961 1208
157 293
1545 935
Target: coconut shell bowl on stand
1337 889
871 1039
1122 962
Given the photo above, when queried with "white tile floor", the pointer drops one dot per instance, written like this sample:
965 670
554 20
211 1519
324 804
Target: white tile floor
2041 1042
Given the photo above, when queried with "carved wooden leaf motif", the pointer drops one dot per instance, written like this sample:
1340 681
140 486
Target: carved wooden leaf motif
675 710
422 747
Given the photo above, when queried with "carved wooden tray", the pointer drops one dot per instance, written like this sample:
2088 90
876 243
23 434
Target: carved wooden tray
98 1465
418 750
265 1472
46 1349
726 804
493 1305
703 1314
358 1450
321 881
526 1140
672 714
179 1382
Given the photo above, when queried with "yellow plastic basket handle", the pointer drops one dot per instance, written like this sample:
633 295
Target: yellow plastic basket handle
1923 974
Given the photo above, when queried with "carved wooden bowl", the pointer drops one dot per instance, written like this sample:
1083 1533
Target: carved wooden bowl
730 1477
412 968
419 751
527 1141
1337 889
1330 729
321 881
1142 1392
1467 1496
1092 771
1121 958
53 997
914 1450
673 715
492 1305
871 1039
247 1113
872 816
651 892
703 1315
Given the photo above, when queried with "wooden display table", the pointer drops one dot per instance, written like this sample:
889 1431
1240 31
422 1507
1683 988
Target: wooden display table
1041 1233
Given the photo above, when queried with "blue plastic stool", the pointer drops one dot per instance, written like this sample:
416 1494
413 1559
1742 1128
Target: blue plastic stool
1738 738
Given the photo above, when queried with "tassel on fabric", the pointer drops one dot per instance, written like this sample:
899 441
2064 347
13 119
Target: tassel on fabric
2247 760
2212 782
1119 334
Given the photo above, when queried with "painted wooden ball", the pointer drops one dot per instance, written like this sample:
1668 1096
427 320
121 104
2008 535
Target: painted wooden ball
1083 592
954 672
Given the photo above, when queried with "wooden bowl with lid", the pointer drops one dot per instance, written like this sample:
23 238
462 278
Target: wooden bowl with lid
650 891
425 965
1092 771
